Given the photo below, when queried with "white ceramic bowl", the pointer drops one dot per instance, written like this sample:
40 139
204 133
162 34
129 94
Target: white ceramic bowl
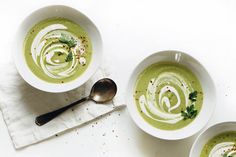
49 12
208 89
208 134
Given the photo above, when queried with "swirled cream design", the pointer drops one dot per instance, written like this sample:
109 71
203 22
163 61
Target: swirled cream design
221 145
224 149
46 45
157 106
164 94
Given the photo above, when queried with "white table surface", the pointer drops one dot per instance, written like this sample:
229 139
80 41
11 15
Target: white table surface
131 30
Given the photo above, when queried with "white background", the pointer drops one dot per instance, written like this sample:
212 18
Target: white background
132 30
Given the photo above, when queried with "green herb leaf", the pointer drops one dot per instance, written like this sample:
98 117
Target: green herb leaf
190 112
193 96
69 57
70 41
226 155
184 114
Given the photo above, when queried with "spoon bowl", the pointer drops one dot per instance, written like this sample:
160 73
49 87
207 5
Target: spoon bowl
103 90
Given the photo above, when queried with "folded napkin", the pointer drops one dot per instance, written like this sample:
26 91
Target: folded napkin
20 104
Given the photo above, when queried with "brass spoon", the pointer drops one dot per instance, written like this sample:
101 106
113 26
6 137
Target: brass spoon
102 91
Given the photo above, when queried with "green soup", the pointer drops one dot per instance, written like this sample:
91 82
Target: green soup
222 145
168 95
57 50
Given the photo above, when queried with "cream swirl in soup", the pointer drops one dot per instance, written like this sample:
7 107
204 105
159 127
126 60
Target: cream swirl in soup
164 94
57 50
222 145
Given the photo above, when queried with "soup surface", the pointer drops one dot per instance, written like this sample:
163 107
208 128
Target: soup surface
222 145
57 50
168 95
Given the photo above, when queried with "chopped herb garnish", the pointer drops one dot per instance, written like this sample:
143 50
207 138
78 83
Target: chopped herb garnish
226 155
69 57
193 96
190 112
70 41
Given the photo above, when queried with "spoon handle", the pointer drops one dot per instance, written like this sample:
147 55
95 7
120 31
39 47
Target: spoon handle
44 118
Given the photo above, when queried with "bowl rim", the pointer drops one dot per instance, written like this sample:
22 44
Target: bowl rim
205 131
40 84
169 132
